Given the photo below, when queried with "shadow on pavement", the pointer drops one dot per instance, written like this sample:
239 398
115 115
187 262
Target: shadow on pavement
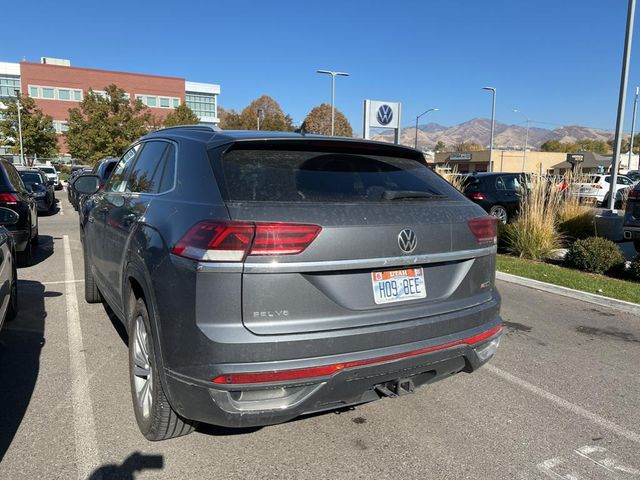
39 253
136 462
21 341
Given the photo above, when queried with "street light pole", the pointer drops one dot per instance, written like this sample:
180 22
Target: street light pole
621 101
333 98
493 125
418 118
633 126
19 107
526 139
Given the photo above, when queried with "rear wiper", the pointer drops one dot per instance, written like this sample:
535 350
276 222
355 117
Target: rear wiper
407 194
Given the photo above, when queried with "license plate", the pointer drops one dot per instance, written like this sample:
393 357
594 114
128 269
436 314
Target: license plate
398 285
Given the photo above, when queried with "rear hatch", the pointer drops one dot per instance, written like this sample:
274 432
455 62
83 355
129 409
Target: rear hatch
588 187
350 234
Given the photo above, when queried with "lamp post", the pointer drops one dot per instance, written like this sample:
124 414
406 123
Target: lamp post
19 107
633 126
526 139
415 143
260 115
624 77
493 124
333 88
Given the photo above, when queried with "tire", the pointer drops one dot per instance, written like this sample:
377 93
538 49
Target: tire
91 292
500 213
636 244
36 238
155 417
12 309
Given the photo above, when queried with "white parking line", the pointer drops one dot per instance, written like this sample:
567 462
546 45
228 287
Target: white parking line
561 402
83 421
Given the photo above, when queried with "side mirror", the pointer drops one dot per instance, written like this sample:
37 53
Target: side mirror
8 217
86 184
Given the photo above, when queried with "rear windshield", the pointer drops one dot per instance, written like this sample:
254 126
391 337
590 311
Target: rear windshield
47 169
30 177
312 176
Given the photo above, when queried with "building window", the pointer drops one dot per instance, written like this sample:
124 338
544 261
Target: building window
202 104
8 85
158 102
60 126
55 93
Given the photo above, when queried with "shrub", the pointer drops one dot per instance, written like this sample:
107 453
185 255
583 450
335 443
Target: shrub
578 225
595 255
452 175
533 235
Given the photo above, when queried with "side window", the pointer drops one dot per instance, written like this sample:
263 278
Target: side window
511 183
500 184
118 180
147 173
168 169
624 181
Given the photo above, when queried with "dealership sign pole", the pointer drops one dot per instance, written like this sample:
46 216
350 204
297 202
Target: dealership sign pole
379 114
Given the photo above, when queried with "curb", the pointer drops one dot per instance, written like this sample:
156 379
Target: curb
620 305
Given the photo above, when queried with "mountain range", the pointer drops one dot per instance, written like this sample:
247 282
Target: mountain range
478 130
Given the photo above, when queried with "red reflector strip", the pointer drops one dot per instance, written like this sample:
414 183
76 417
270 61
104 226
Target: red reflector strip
323 371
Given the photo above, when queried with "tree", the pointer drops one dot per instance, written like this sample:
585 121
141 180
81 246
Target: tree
583 145
274 118
105 125
229 119
439 147
182 115
468 147
38 135
318 121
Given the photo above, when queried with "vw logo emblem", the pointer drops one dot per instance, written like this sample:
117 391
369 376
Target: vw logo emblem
384 115
407 240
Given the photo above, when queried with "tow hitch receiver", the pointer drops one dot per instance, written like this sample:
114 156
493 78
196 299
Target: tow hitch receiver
395 388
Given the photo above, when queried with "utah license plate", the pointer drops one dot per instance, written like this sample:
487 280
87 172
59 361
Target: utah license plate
398 285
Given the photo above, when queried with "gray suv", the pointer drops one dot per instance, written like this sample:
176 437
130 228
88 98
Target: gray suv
262 275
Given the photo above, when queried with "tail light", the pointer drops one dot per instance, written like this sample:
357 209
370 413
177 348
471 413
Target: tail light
485 229
211 241
8 198
476 196
597 186
634 194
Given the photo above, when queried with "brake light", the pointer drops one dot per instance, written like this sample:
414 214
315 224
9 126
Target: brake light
211 241
596 185
476 196
485 229
8 198
326 370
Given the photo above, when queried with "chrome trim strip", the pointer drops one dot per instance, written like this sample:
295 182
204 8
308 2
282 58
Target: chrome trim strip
364 263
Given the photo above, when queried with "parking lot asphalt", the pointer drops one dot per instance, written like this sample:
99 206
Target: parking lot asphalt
560 400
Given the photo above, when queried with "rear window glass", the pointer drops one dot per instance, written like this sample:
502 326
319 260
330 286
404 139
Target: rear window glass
299 176
30 177
47 169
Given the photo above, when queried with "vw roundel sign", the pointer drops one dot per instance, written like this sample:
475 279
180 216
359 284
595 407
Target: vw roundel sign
384 114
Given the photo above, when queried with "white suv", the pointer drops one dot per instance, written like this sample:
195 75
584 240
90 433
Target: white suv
52 175
596 188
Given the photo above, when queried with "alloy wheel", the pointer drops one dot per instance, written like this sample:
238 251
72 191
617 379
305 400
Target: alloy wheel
142 371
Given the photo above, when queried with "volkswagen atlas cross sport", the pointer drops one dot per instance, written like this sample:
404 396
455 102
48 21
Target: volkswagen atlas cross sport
262 276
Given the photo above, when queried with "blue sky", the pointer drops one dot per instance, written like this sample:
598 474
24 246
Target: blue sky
556 60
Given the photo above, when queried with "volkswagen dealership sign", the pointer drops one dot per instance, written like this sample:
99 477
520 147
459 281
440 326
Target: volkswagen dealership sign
379 114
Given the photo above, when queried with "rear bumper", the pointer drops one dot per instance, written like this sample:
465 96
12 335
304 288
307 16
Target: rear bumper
255 404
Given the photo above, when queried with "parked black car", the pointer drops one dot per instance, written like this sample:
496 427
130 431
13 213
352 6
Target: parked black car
15 196
266 275
43 190
631 227
498 193
8 270
104 168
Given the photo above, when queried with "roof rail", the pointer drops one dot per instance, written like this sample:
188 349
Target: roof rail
199 126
